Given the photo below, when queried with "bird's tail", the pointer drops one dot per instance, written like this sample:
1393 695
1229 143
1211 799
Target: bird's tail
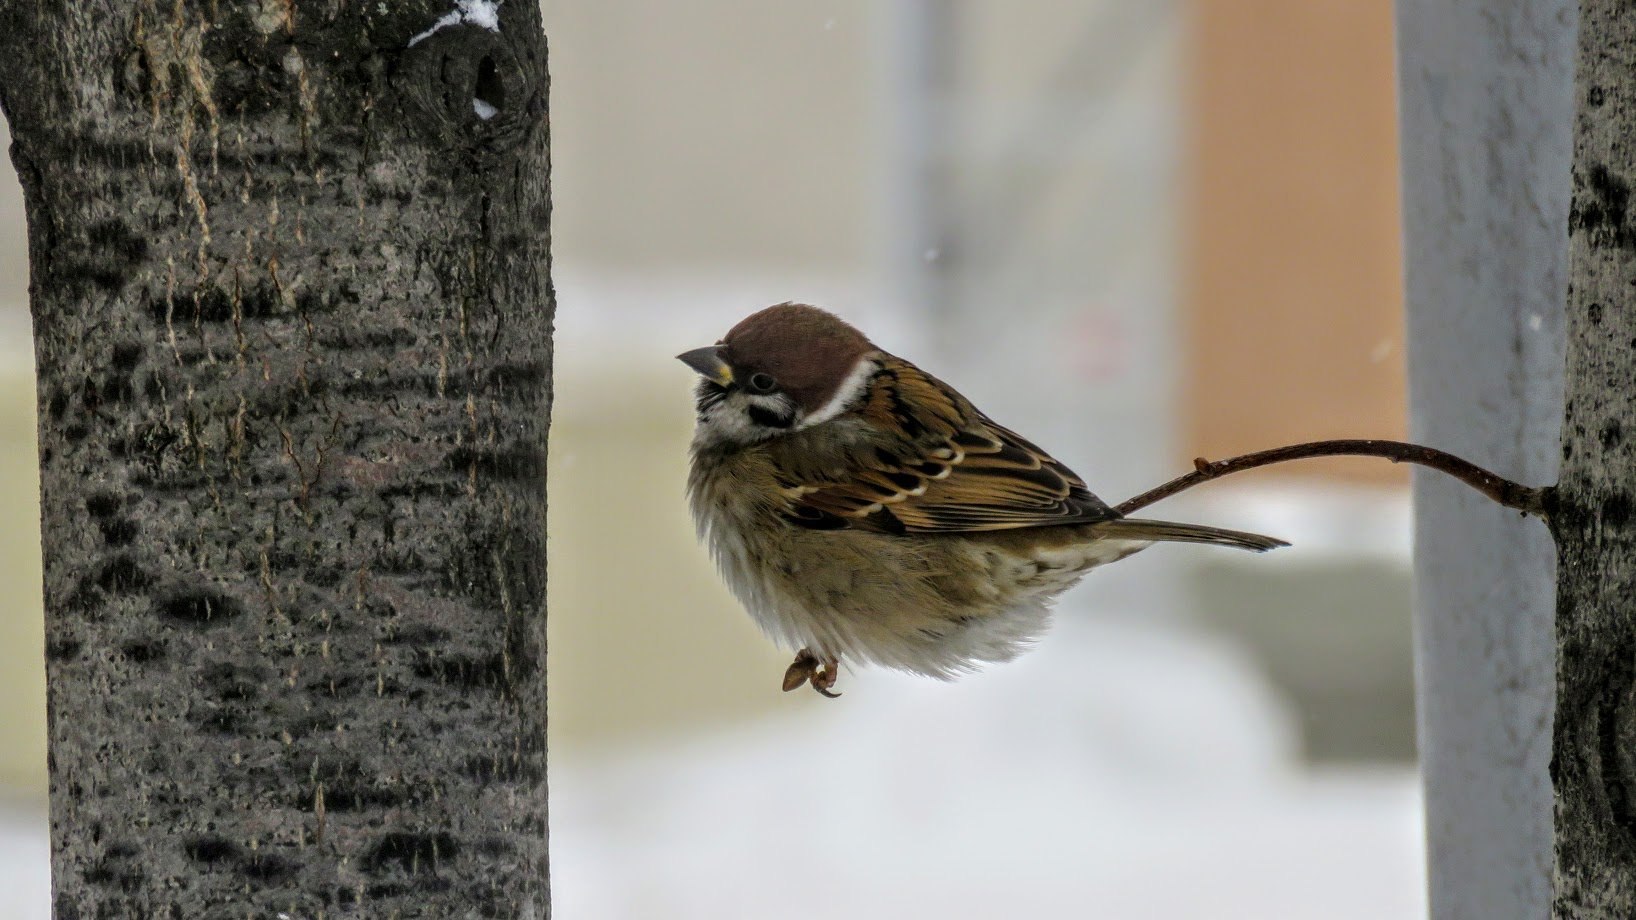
1167 532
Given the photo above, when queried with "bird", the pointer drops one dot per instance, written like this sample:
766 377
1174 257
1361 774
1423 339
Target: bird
862 510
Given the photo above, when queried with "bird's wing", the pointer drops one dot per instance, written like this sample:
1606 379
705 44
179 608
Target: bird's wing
926 461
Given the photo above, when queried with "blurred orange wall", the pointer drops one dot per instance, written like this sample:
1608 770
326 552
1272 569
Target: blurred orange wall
1293 294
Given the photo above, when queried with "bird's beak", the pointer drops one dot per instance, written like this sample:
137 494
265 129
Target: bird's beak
707 361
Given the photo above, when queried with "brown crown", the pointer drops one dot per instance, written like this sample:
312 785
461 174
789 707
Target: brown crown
807 350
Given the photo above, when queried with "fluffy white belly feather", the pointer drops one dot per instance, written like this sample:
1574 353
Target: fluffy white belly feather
938 605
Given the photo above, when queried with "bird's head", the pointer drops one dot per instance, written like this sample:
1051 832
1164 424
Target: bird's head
783 369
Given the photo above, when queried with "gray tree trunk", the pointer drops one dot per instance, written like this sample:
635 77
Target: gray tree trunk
292 319
1486 99
1593 763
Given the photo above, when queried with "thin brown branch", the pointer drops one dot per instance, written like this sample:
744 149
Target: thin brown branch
1527 499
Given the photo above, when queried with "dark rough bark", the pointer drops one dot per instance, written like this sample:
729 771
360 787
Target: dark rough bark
292 317
1593 765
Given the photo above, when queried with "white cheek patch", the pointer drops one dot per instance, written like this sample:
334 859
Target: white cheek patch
729 421
773 403
727 424
846 395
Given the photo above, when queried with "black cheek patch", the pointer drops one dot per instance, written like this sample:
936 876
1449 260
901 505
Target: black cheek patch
767 418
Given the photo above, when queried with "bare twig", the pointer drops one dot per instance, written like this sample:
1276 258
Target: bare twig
1527 499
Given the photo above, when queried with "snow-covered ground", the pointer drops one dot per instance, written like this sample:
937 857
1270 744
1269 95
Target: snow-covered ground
1120 771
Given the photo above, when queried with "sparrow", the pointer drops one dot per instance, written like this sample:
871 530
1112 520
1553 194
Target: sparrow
863 510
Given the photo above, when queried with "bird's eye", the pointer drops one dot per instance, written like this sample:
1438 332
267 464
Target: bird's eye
761 383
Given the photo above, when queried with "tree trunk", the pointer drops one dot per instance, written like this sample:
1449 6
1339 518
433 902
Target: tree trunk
1593 762
292 317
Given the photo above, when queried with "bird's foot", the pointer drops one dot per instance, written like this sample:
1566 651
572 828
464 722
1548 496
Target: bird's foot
825 676
800 670
820 672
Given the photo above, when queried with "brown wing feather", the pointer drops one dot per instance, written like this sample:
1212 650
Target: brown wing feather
937 465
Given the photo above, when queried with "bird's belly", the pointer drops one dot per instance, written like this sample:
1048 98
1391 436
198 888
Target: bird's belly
939 605
832 593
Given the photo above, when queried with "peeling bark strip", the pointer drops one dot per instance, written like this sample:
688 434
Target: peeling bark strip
292 315
1593 765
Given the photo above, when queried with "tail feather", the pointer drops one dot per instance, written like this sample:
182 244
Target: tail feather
1169 532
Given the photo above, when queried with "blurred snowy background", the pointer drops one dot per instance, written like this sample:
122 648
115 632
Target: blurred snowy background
1137 232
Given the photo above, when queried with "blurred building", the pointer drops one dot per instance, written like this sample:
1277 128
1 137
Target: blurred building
1137 232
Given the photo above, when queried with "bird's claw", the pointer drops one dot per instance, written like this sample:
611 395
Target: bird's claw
800 670
824 677
809 668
